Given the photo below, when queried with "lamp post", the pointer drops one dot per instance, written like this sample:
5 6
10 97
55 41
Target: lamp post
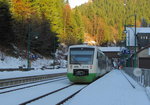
135 63
28 47
54 55
135 56
30 34
135 16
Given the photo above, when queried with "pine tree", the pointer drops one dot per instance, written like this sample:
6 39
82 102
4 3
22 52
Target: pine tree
6 32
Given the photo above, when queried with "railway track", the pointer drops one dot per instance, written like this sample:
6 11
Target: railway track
13 82
60 98
60 89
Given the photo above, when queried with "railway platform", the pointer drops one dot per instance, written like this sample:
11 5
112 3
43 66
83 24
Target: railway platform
115 88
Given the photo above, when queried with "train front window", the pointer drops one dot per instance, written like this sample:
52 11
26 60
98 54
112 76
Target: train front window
81 55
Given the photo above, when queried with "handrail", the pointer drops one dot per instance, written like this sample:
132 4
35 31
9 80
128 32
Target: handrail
15 69
142 76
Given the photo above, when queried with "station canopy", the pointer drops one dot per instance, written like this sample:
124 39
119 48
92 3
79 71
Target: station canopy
112 52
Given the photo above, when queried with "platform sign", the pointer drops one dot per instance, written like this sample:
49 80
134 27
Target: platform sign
127 51
132 51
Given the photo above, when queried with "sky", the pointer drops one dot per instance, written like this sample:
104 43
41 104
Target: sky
74 3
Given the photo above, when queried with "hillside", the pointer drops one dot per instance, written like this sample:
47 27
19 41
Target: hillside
104 20
39 26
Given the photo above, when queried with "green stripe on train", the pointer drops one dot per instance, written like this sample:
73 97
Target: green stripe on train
83 79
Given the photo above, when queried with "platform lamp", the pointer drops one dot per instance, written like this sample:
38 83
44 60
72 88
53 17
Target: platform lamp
135 56
31 33
28 47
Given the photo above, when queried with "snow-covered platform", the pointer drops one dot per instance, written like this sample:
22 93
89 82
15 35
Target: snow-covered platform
112 89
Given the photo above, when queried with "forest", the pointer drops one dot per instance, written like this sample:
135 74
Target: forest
47 23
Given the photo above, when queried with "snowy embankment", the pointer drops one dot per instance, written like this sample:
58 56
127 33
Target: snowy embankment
112 89
11 62
14 74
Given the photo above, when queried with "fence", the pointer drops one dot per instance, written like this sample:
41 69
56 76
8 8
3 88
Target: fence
142 76
15 69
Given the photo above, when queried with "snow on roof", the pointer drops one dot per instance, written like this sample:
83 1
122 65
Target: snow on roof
143 30
111 49
139 29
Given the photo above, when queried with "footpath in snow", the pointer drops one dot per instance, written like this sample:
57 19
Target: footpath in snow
112 89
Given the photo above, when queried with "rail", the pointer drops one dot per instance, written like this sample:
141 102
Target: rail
140 75
69 97
11 82
39 97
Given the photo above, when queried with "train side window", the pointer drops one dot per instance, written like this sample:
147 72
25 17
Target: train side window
97 55
101 56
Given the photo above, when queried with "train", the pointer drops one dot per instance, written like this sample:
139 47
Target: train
86 63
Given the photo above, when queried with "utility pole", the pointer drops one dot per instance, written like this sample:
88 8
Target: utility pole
28 47
135 56
135 39
54 55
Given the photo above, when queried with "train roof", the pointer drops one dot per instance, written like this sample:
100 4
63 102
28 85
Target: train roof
86 46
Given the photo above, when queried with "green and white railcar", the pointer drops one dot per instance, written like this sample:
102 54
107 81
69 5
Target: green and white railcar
86 63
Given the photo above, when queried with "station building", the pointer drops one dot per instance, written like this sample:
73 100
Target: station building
141 45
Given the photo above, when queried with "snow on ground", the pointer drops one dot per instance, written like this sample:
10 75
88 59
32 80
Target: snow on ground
13 74
19 96
148 91
52 100
112 89
11 62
